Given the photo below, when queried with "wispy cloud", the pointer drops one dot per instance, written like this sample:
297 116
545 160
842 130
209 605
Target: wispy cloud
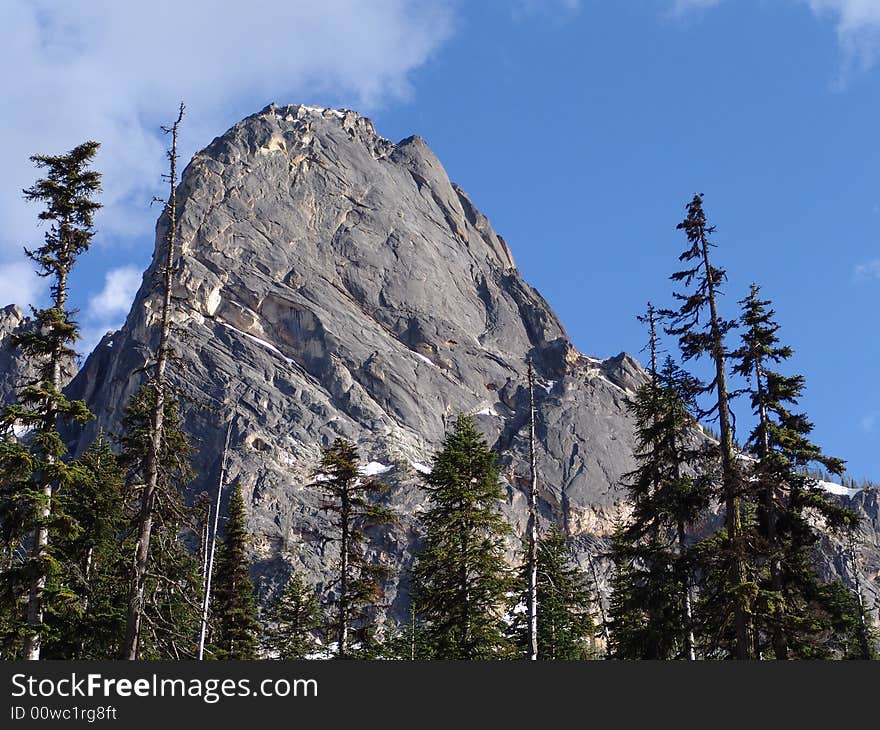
870 422
115 71
858 29
18 285
867 271
107 309
522 9
114 300
680 7
857 24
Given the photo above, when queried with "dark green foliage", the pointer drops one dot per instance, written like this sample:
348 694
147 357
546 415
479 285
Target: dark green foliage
407 640
357 589
788 613
291 621
91 623
172 608
233 608
702 332
668 492
565 625
33 474
460 578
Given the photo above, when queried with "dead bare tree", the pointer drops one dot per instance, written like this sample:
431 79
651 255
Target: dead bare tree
159 384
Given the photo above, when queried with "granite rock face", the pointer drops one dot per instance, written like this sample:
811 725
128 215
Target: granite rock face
334 283
13 371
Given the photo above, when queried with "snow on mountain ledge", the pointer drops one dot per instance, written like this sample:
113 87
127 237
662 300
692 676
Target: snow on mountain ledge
838 489
374 468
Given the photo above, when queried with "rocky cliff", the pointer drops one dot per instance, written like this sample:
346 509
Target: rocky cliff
334 283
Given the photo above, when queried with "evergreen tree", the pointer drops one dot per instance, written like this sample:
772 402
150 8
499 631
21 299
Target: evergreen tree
701 331
651 616
236 629
173 586
788 610
406 640
351 500
291 621
34 473
565 626
91 623
460 577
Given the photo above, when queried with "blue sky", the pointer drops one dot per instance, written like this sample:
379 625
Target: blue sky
580 128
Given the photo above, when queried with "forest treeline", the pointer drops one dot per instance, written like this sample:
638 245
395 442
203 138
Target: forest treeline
713 557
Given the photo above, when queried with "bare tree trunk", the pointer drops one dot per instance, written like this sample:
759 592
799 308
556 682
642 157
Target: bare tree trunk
533 526
689 643
151 466
864 643
602 617
40 548
730 482
342 630
209 572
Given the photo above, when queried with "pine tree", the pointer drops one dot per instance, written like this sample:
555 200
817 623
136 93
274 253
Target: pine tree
565 628
172 587
33 474
233 607
651 593
158 383
291 621
351 500
460 577
789 603
91 623
701 331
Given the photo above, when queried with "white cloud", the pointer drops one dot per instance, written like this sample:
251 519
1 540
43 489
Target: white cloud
684 6
867 270
869 422
20 285
114 71
857 23
858 28
114 300
108 308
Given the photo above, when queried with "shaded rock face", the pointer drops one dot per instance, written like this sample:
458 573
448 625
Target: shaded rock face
333 283
13 371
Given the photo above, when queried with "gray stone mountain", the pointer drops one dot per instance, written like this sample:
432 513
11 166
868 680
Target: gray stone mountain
334 283
12 368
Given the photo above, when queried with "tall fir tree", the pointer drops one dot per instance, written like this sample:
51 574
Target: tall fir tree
291 621
702 332
651 614
460 578
352 501
565 626
173 587
91 623
233 606
792 611
34 473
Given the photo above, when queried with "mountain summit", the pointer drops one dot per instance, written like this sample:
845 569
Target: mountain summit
333 283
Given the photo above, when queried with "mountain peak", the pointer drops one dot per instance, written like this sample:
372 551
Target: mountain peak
332 283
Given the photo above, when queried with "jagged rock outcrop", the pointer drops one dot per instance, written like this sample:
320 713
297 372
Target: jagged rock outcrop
14 370
334 283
